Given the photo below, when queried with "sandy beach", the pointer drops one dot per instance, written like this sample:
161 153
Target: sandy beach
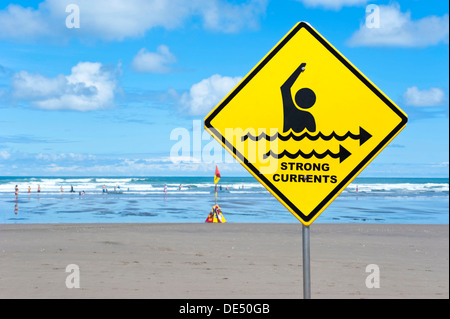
222 260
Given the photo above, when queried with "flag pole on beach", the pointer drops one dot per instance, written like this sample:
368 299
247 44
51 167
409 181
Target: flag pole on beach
216 180
216 216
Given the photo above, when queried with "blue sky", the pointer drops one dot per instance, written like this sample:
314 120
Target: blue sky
103 99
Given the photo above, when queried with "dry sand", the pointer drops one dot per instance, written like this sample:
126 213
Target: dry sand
222 260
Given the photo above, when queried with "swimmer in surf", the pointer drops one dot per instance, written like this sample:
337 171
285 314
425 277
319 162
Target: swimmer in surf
295 117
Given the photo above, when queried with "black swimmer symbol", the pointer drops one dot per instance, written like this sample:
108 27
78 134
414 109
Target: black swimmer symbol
296 118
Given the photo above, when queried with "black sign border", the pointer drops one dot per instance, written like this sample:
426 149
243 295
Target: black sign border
355 171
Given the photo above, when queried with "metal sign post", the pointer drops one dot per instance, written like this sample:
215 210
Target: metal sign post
306 264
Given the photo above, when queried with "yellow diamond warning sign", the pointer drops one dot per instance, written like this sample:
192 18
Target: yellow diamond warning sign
305 122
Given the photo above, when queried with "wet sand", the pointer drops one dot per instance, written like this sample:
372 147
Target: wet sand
222 261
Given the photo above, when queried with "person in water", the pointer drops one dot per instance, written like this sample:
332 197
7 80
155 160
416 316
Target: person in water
295 116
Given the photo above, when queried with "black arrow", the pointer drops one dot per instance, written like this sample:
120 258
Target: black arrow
363 136
342 154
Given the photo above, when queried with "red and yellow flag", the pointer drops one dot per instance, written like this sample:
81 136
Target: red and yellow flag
216 176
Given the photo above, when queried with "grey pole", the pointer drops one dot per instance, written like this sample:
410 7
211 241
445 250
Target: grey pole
306 264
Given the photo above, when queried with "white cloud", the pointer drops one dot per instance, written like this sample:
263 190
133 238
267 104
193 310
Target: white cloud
133 167
17 22
227 17
206 94
397 29
4 154
153 62
64 156
89 86
117 20
431 97
333 4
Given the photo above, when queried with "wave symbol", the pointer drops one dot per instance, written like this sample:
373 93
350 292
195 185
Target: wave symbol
363 136
341 155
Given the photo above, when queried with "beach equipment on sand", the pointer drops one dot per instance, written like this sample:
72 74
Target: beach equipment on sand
215 216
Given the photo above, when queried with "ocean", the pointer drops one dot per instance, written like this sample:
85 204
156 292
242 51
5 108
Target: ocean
190 199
